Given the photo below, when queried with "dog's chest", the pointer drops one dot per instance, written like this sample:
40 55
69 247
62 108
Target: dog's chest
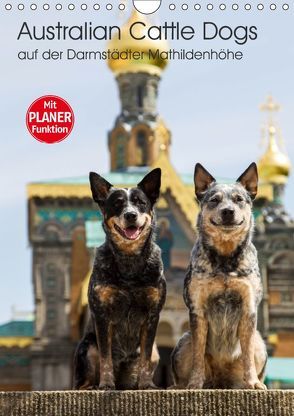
120 303
220 295
219 300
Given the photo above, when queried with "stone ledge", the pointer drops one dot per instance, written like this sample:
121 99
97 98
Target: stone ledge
149 403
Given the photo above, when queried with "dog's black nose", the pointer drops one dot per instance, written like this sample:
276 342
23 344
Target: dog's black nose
131 216
228 214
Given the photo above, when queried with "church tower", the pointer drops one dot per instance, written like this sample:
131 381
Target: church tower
274 166
139 134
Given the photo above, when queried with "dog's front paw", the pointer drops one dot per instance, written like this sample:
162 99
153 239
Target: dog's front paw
106 386
195 386
175 387
196 380
260 386
195 383
147 386
255 385
88 387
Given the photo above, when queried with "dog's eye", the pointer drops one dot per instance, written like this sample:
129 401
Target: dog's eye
118 202
139 201
214 200
239 198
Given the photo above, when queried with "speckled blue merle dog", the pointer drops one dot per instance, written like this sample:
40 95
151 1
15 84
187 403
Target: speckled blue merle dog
126 291
222 291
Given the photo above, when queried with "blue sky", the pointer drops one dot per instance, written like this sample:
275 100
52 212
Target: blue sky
210 107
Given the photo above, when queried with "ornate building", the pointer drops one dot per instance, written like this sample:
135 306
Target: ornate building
65 226
275 242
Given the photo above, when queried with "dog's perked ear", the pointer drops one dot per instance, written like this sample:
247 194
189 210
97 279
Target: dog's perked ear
150 185
100 188
249 179
202 180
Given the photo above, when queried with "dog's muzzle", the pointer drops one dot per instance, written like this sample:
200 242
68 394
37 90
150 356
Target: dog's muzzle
227 224
131 232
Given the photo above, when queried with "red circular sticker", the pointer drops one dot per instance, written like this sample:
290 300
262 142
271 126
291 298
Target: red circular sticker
50 119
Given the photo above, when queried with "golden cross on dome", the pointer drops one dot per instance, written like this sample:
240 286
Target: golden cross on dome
270 107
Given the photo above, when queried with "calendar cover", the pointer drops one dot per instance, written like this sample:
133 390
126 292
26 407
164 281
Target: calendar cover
121 88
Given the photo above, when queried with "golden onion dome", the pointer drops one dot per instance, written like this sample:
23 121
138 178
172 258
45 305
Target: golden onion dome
274 166
126 43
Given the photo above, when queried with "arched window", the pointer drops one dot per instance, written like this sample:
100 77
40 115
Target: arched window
52 232
284 259
141 150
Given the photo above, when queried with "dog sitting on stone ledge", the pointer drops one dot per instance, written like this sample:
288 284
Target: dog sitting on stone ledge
126 291
222 291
